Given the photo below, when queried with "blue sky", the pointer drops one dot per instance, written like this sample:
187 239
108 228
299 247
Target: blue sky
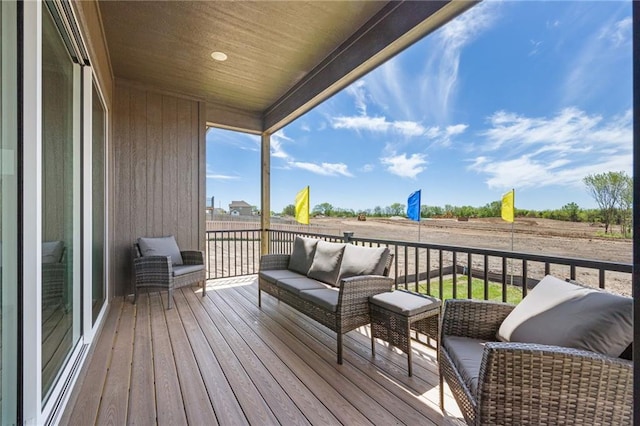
528 95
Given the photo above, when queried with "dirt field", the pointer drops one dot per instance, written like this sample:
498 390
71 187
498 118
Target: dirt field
536 236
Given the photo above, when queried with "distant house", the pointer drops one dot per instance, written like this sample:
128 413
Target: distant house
240 208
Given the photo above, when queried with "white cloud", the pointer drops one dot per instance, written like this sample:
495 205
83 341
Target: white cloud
325 169
456 129
405 128
619 34
535 47
359 94
278 139
571 129
305 127
523 152
367 168
440 76
405 166
603 52
373 124
221 177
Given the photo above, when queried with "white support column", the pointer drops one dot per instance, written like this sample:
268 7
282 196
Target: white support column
32 213
265 191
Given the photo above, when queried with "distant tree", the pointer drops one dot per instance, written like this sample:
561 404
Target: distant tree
377 211
324 209
289 210
606 189
490 210
572 211
626 206
397 209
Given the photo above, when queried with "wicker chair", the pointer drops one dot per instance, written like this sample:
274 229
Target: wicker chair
523 383
158 272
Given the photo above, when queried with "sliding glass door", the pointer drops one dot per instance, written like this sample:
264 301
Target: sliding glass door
8 213
61 184
98 136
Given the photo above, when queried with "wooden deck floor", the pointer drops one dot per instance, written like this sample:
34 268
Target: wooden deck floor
222 360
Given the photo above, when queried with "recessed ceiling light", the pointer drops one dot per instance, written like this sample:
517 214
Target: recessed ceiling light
219 56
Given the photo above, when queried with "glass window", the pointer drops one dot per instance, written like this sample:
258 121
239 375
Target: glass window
8 212
60 204
98 193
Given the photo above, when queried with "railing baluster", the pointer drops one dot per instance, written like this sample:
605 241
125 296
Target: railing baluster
417 268
428 271
455 274
504 278
486 277
469 277
395 266
524 278
441 282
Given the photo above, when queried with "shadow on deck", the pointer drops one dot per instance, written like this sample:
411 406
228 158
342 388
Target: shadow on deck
222 360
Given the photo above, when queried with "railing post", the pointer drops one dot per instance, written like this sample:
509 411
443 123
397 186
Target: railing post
347 237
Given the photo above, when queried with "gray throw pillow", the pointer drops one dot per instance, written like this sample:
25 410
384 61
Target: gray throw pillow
564 314
52 251
326 262
358 260
302 254
161 246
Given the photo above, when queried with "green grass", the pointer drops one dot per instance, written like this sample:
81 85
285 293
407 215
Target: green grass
514 294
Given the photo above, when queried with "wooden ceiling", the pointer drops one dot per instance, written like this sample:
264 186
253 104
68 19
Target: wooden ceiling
284 57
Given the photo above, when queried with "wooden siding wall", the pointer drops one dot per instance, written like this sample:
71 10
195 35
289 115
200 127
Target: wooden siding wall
158 174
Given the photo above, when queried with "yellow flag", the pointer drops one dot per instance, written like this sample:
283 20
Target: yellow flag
508 206
302 206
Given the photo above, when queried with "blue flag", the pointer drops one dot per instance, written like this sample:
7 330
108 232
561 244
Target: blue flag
413 206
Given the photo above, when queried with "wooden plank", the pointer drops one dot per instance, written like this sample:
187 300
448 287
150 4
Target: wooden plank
184 186
138 144
240 355
194 393
324 382
279 402
120 273
154 164
89 390
169 166
142 401
221 394
170 408
366 368
314 405
358 382
255 408
115 395
201 167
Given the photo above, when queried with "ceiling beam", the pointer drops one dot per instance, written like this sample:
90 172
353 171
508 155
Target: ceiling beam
228 118
397 26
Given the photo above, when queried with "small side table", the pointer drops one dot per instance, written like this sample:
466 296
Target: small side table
396 313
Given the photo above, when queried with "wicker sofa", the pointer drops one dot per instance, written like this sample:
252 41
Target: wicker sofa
329 282
558 357
159 263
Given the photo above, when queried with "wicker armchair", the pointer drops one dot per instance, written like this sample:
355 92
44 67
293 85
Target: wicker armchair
159 272
523 383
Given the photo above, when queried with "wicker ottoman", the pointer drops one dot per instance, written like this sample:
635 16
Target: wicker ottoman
395 314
